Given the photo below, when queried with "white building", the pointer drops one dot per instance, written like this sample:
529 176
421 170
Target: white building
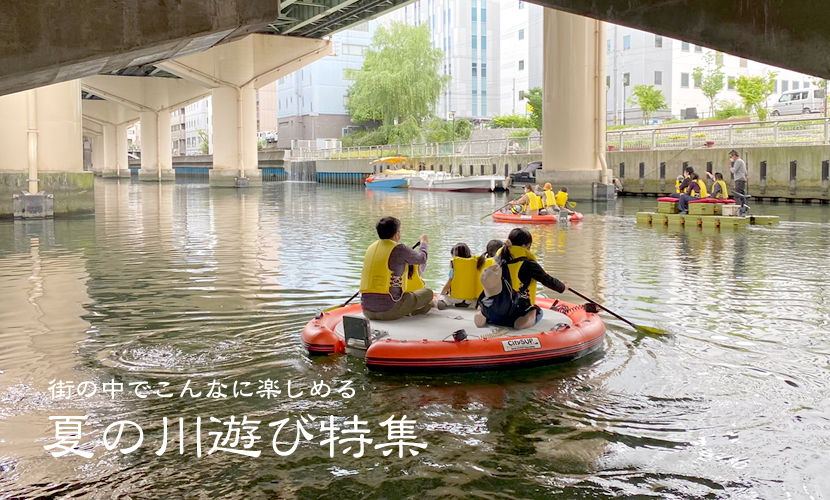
198 117
311 102
468 33
644 58
520 55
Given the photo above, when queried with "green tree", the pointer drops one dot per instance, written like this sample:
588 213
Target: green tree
822 84
438 130
754 90
534 98
399 78
648 99
710 78
204 142
510 121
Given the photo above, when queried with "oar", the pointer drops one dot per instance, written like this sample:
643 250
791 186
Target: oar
653 331
488 215
344 304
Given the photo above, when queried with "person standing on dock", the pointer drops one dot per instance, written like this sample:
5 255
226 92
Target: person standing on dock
384 289
740 176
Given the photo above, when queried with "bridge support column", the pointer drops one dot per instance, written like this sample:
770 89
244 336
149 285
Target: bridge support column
41 148
97 154
120 166
573 119
156 157
108 140
235 161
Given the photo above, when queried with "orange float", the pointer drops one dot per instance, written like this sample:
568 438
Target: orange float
533 219
427 342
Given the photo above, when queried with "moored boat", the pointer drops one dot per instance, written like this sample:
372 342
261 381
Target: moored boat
533 219
447 340
390 178
428 180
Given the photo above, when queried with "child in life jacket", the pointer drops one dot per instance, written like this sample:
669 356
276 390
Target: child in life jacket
464 284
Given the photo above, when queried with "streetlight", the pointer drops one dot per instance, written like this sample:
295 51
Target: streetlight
452 115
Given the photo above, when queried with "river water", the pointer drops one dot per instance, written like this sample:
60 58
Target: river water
173 288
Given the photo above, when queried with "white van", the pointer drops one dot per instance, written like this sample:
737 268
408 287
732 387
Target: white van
796 102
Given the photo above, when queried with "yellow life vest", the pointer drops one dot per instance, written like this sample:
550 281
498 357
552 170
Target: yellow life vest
515 253
677 185
414 283
723 194
535 201
561 198
490 261
550 199
376 276
703 192
463 286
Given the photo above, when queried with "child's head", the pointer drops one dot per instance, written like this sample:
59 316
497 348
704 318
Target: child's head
461 250
564 190
719 176
493 247
548 186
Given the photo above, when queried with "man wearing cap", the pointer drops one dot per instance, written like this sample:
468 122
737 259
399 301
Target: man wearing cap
740 176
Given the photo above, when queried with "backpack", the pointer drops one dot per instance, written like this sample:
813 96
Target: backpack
504 307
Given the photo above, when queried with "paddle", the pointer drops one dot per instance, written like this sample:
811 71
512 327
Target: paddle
488 215
644 329
344 304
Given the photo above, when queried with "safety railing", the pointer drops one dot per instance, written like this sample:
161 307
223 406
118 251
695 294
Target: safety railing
750 134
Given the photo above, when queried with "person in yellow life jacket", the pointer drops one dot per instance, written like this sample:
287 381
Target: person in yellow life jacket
530 202
692 192
509 297
681 185
548 196
719 191
386 291
562 197
464 284
551 200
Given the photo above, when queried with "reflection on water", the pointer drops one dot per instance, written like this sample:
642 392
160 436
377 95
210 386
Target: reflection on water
180 284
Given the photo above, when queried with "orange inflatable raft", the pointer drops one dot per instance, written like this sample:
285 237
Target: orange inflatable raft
427 342
533 219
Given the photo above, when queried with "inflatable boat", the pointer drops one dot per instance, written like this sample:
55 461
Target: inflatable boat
448 340
533 219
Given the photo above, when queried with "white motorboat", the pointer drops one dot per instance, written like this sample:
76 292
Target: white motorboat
428 180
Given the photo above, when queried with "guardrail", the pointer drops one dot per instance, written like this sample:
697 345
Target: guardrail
769 133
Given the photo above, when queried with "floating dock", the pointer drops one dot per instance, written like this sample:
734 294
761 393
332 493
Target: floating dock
702 214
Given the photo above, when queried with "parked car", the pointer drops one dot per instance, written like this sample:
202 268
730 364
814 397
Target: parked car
527 174
796 102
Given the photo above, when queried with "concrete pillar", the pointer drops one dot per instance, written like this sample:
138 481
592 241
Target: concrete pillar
122 163
49 120
573 120
234 138
97 154
108 140
165 145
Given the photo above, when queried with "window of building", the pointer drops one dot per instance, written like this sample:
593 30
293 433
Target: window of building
806 85
475 17
626 42
484 70
607 81
730 83
684 46
608 46
743 62
658 78
795 85
521 65
521 34
475 102
521 5
522 95
698 81
483 42
658 41
684 80
349 50
785 85
361 27
483 13
698 49
475 70
775 86
475 42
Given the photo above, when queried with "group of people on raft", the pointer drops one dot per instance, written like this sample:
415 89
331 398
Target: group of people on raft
540 202
500 283
689 186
